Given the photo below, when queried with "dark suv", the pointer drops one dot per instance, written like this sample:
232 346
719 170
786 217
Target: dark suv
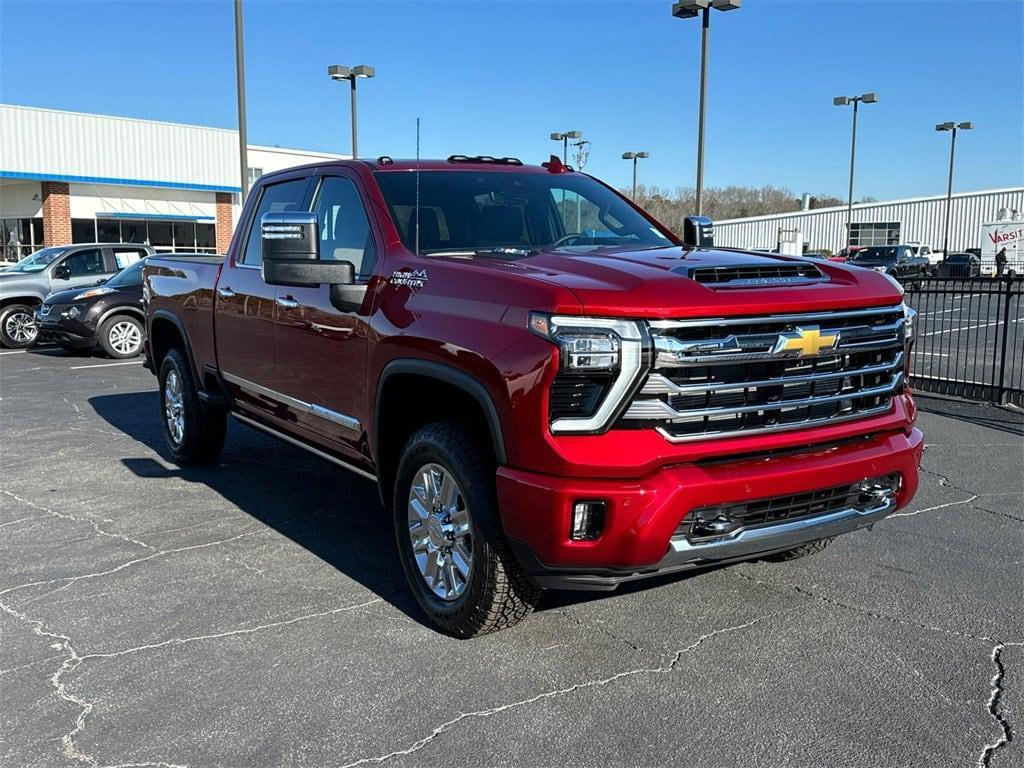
896 261
109 315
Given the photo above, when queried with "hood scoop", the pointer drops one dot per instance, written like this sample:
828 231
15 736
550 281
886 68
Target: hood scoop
754 275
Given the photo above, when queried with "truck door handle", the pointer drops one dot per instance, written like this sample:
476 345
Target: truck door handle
286 302
225 292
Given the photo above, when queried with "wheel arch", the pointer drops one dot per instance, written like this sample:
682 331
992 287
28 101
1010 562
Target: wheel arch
445 390
165 330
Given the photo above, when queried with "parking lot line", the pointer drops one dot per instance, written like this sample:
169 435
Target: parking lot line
106 365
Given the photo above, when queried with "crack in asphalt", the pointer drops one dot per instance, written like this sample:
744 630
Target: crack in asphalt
671 666
736 570
95 524
932 509
945 482
995 709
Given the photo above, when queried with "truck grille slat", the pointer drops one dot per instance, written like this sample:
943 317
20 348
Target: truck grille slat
768 374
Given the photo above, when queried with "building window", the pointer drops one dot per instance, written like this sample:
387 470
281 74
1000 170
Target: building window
108 231
875 233
20 237
254 173
184 235
83 231
206 238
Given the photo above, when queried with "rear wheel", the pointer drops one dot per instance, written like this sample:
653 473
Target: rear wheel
18 326
121 336
193 430
449 536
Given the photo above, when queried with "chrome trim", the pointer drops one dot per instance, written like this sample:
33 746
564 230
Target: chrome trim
804 318
630 370
776 427
225 292
283 301
747 541
299 444
662 385
349 422
671 352
658 409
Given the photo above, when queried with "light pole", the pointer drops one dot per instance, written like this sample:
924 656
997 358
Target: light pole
634 156
564 138
842 101
338 72
240 89
688 9
952 128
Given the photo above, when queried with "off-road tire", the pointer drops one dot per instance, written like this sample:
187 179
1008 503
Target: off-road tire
497 593
6 339
204 425
803 550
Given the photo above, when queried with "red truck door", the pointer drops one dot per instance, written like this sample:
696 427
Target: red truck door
321 350
246 310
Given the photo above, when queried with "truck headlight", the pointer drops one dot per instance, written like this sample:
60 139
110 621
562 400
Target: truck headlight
600 363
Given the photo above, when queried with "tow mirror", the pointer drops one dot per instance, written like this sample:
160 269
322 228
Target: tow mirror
291 256
698 232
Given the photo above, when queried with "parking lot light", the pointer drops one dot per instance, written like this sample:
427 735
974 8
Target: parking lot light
688 9
843 101
952 128
564 138
634 156
339 73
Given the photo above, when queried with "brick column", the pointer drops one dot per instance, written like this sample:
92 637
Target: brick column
56 213
225 223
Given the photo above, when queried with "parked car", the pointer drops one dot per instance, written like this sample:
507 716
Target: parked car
539 406
925 251
960 265
24 286
109 316
898 261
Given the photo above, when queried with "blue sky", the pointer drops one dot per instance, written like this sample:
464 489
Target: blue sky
497 77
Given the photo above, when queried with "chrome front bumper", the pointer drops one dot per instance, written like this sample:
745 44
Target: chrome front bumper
780 536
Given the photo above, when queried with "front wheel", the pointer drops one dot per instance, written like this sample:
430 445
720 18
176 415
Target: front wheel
194 431
18 326
453 551
121 336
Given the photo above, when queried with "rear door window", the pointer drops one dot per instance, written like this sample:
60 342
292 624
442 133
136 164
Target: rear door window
286 196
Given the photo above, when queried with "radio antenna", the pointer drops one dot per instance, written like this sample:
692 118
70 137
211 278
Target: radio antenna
417 186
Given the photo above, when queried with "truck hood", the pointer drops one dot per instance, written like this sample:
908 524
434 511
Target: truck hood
10 281
673 281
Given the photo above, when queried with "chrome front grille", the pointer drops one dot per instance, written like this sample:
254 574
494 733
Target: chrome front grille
737 376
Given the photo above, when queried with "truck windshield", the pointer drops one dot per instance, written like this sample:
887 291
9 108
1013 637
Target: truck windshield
506 214
881 254
36 262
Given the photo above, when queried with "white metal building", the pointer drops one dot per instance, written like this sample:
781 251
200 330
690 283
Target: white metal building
74 177
920 220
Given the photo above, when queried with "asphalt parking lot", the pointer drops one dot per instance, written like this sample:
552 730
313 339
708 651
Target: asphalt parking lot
254 614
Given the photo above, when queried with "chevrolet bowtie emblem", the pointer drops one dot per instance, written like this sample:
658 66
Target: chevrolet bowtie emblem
808 340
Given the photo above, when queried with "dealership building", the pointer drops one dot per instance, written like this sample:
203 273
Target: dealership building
915 220
73 177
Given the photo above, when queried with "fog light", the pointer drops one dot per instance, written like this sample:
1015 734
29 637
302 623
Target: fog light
587 520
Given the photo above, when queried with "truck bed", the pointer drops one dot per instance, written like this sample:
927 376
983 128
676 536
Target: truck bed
179 288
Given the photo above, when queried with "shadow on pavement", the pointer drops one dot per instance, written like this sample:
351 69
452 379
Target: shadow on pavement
1001 418
333 514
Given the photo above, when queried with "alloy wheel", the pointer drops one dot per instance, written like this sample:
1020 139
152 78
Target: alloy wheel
440 532
174 411
21 327
125 337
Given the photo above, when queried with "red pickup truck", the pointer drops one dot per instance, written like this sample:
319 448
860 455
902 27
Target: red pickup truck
550 389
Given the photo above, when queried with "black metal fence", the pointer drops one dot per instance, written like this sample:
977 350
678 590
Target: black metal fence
970 337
